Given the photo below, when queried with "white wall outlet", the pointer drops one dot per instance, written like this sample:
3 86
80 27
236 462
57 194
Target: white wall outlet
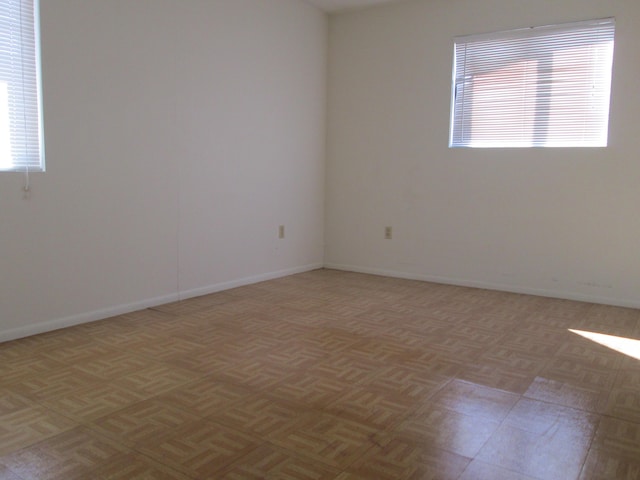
281 231
388 233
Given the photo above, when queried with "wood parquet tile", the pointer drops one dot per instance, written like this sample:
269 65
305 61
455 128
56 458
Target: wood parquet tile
479 469
329 439
135 466
606 464
200 449
328 375
205 396
409 382
94 402
22 366
73 454
501 378
449 430
62 381
27 426
568 395
6 474
272 463
533 434
142 422
409 459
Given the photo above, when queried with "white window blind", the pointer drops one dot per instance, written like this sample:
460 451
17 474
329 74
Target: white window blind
20 112
534 87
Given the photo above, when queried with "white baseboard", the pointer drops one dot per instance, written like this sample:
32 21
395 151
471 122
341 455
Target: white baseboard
78 319
219 287
58 323
629 303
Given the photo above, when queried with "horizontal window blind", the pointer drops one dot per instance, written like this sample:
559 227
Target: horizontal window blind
534 87
20 106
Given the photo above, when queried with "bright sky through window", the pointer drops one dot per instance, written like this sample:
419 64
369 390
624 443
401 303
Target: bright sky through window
5 144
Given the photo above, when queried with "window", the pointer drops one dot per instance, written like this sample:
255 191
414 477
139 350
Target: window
534 87
20 111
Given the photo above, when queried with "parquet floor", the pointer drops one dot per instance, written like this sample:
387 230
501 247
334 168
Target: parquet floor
328 375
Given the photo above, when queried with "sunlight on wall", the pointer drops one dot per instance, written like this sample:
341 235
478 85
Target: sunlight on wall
628 346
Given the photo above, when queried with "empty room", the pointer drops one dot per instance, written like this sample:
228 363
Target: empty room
319 239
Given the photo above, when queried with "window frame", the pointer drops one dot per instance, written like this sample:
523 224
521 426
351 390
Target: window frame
23 80
532 46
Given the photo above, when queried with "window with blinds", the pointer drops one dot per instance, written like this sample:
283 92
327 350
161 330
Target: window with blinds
21 146
535 87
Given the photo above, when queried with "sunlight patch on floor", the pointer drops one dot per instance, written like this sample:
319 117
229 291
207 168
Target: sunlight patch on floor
628 346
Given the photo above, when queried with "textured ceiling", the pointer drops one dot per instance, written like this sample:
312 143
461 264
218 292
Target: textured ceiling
339 5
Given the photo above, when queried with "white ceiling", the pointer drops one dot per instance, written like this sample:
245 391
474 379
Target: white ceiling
332 6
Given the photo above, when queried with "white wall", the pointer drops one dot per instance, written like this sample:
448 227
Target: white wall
560 222
179 135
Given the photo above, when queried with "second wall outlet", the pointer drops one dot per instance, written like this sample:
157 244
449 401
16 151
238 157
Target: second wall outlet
281 231
388 233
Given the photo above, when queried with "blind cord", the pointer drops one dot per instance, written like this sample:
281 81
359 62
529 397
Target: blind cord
27 184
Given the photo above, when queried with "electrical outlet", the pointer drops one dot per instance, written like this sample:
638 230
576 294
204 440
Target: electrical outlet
281 231
388 233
